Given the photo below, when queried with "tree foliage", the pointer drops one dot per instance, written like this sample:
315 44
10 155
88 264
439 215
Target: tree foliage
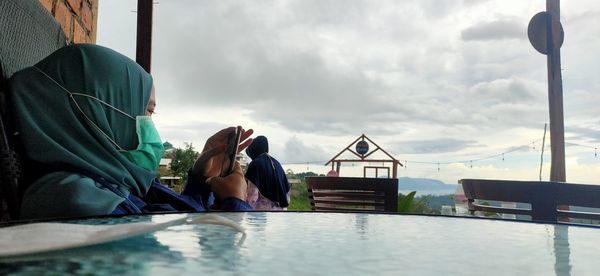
299 198
299 194
182 160
302 175
407 204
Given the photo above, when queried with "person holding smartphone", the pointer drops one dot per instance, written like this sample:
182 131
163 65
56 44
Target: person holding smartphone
83 115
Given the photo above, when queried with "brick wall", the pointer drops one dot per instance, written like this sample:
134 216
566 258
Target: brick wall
77 18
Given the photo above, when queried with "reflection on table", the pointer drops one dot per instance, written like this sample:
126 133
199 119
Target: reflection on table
332 243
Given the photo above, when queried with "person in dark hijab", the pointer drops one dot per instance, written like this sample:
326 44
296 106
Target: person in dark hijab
84 117
266 174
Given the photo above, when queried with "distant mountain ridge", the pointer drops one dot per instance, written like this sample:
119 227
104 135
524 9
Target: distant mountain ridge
423 184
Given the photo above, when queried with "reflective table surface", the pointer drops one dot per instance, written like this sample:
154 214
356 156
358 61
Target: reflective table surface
295 243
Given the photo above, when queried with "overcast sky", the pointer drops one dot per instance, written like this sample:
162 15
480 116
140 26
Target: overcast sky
427 80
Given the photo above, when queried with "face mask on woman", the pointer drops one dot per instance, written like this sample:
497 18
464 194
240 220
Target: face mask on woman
150 148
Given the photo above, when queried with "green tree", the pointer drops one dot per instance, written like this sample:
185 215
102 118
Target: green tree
183 160
299 194
407 204
299 198
302 175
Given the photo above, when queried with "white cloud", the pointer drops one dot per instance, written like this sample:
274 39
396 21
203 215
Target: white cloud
495 30
432 80
296 151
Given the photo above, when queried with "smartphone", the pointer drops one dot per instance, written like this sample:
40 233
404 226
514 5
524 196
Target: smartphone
233 141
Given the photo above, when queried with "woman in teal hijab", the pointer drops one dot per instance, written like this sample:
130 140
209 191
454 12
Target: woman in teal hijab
80 115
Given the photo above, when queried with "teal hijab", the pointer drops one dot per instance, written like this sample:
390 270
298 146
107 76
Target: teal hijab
57 135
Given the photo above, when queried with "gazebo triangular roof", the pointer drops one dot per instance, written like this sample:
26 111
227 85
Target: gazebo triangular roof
362 157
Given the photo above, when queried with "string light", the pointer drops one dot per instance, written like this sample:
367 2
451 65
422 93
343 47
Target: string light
584 146
470 161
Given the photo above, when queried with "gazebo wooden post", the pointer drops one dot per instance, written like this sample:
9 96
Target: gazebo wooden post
143 55
555 97
555 93
395 169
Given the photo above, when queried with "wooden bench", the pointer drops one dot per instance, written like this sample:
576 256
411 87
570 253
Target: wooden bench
544 198
581 195
354 194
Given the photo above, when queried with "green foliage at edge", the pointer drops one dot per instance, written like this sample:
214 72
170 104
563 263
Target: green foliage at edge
406 203
299 193
183 160
299 198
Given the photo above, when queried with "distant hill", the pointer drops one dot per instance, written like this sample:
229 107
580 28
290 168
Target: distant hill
423 184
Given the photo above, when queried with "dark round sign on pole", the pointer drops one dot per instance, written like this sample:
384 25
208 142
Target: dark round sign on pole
537 31
362 147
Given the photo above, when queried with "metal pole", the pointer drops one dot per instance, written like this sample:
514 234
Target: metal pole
143 54
555 97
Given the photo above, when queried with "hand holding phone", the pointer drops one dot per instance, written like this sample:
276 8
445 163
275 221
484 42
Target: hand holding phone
214 158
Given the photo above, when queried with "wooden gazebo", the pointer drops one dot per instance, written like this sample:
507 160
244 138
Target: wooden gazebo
362 153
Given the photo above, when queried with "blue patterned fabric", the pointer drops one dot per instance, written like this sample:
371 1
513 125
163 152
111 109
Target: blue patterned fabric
194 198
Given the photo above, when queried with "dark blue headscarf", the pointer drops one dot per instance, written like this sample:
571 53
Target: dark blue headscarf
259 145
266 172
